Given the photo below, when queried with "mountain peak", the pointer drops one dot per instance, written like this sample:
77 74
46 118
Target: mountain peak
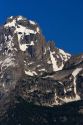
17 19
43 70
25 35
35 71
23 28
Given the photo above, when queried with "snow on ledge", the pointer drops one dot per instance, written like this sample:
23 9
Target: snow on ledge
30 73
32 22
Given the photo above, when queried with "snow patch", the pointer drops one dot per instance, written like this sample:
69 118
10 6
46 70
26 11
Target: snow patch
10 24
54 63
30 63
23 47
30 73
8 62
38 65
38 30
20 18
32 22
49 62
11 17
75 73
42 69
65 55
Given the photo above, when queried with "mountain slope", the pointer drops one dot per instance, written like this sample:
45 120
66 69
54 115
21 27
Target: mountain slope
35 70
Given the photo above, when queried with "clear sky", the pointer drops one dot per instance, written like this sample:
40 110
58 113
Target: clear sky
60 20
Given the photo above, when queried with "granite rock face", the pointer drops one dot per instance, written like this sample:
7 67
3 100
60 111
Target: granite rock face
35 70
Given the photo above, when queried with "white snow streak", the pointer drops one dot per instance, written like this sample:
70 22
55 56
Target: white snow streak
30 73
32 22
54 63
75 73
65 55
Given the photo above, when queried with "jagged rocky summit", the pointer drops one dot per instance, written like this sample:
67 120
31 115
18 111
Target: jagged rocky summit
35 70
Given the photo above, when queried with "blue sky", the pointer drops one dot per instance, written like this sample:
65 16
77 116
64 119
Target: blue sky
60 20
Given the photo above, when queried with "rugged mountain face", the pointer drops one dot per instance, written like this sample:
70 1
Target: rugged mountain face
36 70
23 37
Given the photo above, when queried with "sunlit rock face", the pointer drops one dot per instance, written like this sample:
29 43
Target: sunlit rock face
35 70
